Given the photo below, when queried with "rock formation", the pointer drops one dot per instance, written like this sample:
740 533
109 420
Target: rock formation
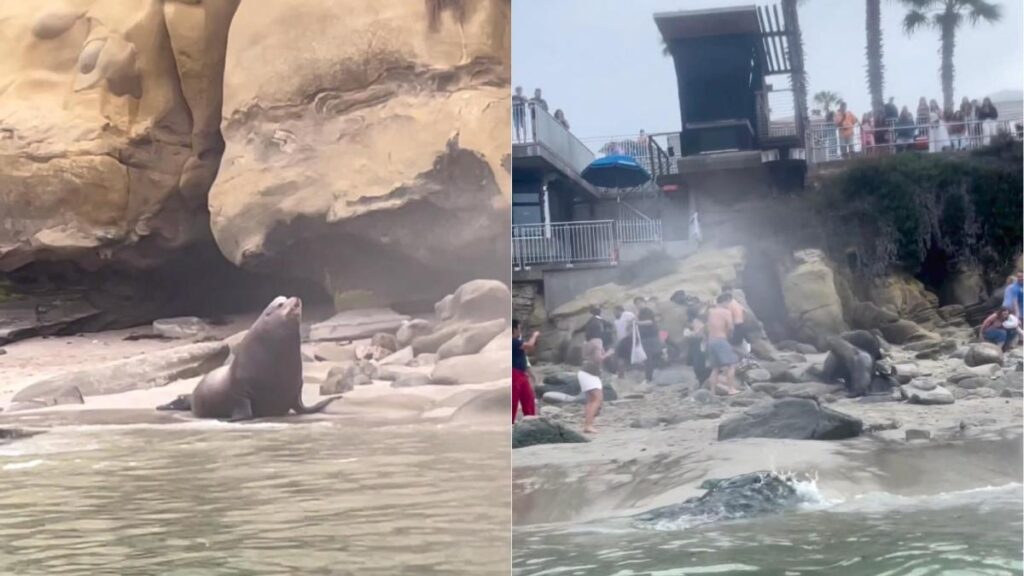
363 145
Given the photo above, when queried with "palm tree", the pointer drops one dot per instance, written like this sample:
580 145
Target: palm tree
826 99
876 69
947 16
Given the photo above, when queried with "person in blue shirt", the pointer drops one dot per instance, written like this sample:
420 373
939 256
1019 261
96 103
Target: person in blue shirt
1013 296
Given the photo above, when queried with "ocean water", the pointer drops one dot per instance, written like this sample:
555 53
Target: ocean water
321 497
971 532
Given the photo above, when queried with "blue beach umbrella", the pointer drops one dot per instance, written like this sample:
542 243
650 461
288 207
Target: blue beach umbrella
616 172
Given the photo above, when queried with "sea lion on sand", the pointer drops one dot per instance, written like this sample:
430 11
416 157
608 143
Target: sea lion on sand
264 378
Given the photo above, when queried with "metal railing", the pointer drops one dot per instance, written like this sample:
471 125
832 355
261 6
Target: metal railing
532 124
564 243
776 115
825 142
657 153
638 231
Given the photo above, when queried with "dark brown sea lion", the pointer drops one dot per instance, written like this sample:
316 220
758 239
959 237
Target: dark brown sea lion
263 379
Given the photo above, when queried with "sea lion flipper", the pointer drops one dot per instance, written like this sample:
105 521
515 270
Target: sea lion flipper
242 411
301 408
181 403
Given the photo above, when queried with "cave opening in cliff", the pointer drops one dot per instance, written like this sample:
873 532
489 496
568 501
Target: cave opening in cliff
935 270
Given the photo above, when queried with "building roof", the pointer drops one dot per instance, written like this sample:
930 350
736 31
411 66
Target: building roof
715 22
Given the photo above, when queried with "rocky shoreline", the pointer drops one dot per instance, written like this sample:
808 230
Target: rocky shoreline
449 366
926 384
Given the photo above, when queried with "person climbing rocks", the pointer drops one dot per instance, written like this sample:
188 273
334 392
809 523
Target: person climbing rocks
723 358
522 389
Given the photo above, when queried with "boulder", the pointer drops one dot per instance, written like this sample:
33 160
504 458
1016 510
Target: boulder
794 346
356 324
385 341
400 358
412 329
148 370
65 395
791 418
531 431
868 316
97 169
904 331
345 377
982 353
471 339
476 302
474 369
182 327
926 392
757 375
812 303
355 166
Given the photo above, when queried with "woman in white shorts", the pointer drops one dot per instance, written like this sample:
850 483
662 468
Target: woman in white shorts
590 384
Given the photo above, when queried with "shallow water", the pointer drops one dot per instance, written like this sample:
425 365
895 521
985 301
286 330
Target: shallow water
296 498
970 533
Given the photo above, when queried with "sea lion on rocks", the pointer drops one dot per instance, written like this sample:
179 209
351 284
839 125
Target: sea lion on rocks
264 377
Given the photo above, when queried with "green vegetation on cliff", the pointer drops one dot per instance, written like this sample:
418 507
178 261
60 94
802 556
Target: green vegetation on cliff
909 209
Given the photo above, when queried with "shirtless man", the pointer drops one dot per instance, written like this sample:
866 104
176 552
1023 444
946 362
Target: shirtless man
739 327
723 359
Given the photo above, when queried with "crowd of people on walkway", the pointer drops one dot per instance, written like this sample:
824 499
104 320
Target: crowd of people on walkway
521 108
841 133
716 341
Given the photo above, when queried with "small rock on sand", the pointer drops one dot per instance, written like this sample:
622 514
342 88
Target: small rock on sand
926 392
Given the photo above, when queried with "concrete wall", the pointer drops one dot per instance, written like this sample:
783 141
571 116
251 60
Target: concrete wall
561 286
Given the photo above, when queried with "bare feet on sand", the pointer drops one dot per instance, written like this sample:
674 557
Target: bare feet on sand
590 430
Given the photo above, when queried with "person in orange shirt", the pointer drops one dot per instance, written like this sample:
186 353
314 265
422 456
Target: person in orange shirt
846 121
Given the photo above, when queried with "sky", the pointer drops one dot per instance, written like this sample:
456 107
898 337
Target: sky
600 61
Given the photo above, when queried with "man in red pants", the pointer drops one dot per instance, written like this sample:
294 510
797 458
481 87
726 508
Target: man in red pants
522 390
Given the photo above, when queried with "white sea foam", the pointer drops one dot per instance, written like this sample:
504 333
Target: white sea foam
23 465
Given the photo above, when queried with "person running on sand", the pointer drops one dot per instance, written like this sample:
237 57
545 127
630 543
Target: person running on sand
723 358
589 378
522 390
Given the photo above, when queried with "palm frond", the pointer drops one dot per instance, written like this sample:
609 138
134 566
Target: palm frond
982 10
914 20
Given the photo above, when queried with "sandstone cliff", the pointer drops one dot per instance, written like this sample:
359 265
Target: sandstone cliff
364 140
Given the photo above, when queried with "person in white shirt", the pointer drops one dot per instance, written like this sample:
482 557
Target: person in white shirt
623 338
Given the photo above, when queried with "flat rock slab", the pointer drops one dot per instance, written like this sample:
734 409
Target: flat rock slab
181 327
148 370
356 324
474 369
791 418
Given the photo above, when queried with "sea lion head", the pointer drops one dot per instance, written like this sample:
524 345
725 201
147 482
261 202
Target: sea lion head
282 311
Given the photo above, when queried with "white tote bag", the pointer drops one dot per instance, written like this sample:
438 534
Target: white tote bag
638 356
